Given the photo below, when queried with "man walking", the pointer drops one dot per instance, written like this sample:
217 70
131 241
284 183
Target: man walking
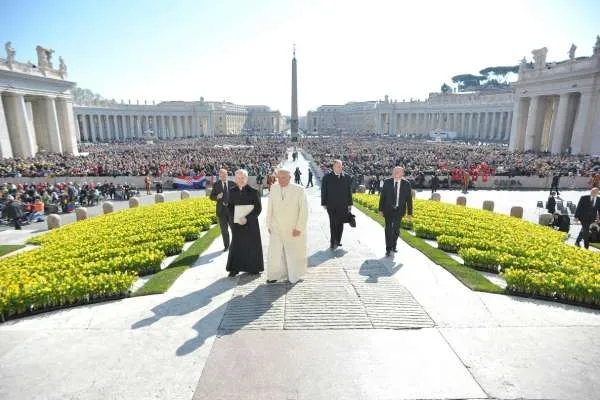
310 176
587 212
297 174
395 201
336 198
554 184
220 194
287 216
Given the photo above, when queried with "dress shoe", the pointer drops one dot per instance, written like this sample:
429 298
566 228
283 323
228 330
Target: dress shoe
339 244
271 281
388 253
232 274
395 250
578 244
333 246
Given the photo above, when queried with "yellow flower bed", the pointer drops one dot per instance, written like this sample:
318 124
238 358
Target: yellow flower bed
99 257
533 259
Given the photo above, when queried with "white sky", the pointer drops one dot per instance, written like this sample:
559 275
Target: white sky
240 51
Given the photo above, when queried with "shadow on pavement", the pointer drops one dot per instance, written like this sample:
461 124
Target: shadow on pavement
206 258
383 267
238 312
178 306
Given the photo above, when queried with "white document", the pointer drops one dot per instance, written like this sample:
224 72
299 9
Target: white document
241 211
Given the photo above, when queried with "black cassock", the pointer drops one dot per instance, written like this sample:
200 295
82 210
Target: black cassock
245 251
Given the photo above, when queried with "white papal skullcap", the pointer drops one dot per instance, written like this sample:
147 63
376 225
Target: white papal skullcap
284 169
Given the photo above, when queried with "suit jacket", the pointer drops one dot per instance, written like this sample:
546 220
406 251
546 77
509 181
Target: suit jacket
387 197
223 201
551 205
336 193
585 212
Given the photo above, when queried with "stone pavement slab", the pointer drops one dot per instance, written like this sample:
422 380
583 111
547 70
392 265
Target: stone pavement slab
531 363
335 364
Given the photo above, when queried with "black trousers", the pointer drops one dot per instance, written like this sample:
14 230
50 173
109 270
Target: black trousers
225 223
336 224
554 188
392 229
584 234
310 182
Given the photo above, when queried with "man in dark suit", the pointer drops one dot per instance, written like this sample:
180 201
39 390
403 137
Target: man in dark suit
551 203
336 198
395 201
220 194
587 213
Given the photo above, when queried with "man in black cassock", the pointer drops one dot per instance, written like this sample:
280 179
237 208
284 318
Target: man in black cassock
220 194
336 198
245 251
395 201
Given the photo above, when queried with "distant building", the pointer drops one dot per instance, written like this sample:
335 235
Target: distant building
36 111
551 107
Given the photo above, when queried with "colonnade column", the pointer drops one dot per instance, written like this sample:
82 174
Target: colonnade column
86 131
580 128
21 133
51 128
131 127
532 122
66 123
163 127
6 150
559 125
515 131
171 127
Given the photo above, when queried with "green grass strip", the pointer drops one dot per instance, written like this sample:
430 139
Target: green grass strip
470 277
162 280
9 248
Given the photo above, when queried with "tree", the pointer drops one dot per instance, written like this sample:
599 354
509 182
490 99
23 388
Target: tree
445 89
500 74
468 81
86 97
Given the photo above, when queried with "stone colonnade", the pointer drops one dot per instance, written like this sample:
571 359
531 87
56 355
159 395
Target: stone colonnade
483 125
100 127
32 123
552 123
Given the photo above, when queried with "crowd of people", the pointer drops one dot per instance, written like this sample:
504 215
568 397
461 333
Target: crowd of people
36 200
369 157
174 158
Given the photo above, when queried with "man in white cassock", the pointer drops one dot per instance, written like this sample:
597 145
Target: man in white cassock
287 216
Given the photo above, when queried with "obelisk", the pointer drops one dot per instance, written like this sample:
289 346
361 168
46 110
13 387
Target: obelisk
294 119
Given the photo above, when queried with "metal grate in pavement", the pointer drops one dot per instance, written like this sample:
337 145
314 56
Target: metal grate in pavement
330 296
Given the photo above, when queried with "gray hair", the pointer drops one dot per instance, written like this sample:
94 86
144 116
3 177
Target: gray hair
242 171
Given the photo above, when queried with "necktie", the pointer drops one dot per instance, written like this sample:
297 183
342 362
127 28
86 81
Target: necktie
396 192
225 192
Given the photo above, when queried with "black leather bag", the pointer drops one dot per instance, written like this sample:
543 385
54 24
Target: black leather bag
351 219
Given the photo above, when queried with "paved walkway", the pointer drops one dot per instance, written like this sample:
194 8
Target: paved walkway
359 326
